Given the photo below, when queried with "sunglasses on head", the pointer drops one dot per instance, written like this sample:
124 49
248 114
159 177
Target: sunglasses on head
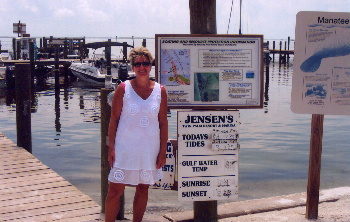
138 64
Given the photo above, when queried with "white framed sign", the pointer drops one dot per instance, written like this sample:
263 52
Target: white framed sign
211 71
321 74
208 145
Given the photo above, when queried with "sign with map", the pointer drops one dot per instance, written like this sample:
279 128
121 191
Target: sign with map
208 146
211 71
321 71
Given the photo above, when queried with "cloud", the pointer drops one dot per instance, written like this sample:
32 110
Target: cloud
90 10
144 18
27 4
4 6
63 13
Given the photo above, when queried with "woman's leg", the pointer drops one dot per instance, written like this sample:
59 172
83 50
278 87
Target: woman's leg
115 191
140 202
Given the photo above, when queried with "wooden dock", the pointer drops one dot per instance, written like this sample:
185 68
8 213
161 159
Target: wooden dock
31 191
283 54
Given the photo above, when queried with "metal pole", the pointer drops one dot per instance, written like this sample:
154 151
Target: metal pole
240 18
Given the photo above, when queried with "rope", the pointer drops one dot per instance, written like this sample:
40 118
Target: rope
229 20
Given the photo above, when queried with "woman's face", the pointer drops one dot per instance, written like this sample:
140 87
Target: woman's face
141 66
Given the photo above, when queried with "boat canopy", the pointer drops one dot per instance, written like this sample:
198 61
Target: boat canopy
96 45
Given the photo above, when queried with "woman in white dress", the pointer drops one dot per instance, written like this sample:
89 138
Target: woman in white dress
138 134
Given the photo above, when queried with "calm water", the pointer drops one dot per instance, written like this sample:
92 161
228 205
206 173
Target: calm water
274 151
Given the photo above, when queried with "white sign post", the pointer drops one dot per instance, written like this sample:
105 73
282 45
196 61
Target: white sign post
321 75
208 145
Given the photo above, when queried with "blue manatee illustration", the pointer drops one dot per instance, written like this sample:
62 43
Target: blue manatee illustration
338 45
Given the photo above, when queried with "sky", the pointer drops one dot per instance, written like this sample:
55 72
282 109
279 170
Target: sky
275 19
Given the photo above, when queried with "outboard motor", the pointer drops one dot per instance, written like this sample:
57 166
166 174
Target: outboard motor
123 72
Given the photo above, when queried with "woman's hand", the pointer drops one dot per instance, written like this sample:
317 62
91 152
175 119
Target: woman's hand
111 157
161 159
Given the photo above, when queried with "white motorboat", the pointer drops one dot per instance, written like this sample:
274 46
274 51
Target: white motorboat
95 73
95 70
2 77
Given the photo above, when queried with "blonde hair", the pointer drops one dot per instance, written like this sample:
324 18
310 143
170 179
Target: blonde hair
140 51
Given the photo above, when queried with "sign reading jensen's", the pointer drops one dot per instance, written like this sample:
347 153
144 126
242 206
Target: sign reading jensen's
208 147
211 71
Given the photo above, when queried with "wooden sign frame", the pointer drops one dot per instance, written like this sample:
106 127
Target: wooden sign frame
211 71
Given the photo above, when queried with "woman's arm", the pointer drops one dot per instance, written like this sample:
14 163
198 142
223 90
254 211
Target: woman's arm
163 126
117 105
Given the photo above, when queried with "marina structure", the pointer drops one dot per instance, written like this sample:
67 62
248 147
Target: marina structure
31 191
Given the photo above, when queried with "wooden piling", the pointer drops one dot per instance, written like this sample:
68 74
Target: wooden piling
57 110
108 57
18 50
105 168
273 47
203 21
65 48
313 186
288 49
57 67
66 72
23 106
125 52
203 17
31 58
280 54
32 71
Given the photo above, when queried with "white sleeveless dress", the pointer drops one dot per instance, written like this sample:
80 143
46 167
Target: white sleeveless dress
137 141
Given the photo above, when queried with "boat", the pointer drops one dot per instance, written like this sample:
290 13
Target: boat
2 77
94 71
94 74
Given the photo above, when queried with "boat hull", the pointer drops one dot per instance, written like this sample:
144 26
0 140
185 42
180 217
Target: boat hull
90 74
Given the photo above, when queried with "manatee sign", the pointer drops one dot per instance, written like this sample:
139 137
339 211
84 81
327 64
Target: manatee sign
208 145
321 75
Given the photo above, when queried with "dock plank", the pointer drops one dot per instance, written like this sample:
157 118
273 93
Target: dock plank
14 167
28 177
6 200
30 183
51 203
31 191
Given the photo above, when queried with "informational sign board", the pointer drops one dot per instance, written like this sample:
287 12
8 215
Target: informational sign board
321 75
211 71
168 170
208 145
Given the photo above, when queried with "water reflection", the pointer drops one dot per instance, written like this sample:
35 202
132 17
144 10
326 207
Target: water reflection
280 72
266 88
274 141
57 110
